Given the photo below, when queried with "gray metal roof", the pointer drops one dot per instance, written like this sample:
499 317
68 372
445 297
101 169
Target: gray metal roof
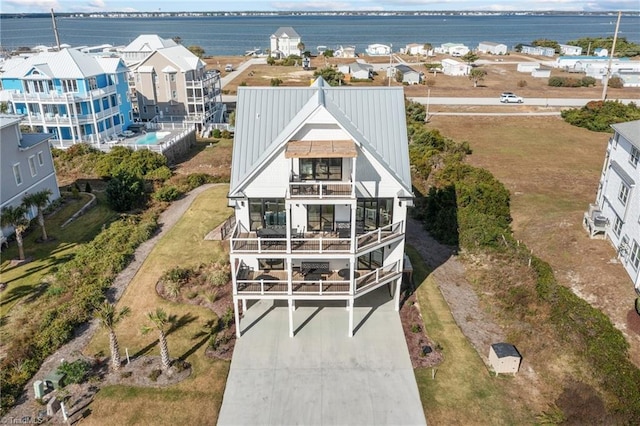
405 69
148 43
288 31
266 117
630 131
504 350
180 56
67 63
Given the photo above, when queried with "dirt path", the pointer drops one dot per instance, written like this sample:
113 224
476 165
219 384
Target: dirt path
463 302
26 405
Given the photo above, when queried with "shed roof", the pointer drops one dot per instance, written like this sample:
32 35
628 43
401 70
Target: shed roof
504 350
267 117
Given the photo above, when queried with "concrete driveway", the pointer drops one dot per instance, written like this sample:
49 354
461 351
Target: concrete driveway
321 376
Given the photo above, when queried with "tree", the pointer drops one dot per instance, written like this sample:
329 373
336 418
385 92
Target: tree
39 200
543 42
427 47
124 191
470 57
300 46
271 60
161 322
16 217
4 107
477 75
330 75
196 50
109 318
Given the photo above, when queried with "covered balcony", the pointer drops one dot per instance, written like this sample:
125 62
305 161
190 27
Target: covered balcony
317 282
274 240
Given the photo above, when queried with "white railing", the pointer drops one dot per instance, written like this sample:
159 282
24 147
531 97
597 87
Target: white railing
377 277
321 189
379 235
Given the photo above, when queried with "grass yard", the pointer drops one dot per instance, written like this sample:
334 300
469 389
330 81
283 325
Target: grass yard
27 281
196 400
463 391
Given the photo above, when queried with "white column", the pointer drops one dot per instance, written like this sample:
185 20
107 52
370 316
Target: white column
237 317
350 302
244 305
396 296
290 318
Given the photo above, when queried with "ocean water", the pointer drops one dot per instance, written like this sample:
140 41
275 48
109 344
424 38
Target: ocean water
235 35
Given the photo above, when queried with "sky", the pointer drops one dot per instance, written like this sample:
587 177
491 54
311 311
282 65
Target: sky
39 6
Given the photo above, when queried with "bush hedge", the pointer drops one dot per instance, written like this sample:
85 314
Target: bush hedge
598 116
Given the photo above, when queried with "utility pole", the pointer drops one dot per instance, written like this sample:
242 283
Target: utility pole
55 29
613 49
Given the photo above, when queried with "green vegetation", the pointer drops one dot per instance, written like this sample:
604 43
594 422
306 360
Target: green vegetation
598 116
543 42
75 372
477 75
196 50
330 75
624 48
571 82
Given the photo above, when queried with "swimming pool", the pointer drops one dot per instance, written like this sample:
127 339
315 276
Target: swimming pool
151 138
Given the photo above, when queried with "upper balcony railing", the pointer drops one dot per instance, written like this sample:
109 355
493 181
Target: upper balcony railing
55 96
321 189
276 241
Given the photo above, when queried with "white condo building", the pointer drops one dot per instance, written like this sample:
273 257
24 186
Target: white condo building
616 214
320 184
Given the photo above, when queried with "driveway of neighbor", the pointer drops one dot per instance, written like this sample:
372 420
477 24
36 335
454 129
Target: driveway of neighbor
321 376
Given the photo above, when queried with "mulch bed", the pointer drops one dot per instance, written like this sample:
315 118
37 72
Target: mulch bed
633 321
423 351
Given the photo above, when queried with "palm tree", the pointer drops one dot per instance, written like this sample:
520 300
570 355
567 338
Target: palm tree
300 47
161 322
39 200
16 217
109 318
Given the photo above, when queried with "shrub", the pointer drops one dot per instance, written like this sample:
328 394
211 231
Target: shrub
75 372
219 278
124 191
225 134
211 295
616 82
167 193
177 274
216 133
556 82
172 288
275 82
126 374
162 173
415 328
522 83
155 373
588 81
598 115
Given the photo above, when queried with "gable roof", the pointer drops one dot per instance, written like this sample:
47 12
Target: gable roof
179 56
404 69
266 117
67 63
630 131
148 43
286 31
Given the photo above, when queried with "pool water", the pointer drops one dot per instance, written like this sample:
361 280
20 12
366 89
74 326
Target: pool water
151 138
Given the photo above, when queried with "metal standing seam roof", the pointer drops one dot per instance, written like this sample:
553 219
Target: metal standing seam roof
288 31
148 43
67 63
183 59
266 118
630 131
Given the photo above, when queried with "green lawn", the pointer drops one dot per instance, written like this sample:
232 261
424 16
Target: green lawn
25 281
196 400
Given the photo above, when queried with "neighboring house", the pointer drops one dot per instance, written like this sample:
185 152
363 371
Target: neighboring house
284 43
453 67
320 185
75 96
357 70
569 50
492 48
26 165
597 67
541 73
416 49
453 49
143 46
600 51
378 50
527 67
172 84
616 214
629 78
409 75
345 52
538 50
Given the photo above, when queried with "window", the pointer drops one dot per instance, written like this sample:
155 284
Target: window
174 94
321 169
38 86
617 226
172 77
320 217
623 195
634 255
40 158
266 213
635 156
372 260
17 174
93 83
69 86
32 165
373 214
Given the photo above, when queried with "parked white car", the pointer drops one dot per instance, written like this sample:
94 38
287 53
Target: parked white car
228 68
510 98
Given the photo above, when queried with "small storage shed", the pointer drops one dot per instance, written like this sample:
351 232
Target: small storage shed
504 358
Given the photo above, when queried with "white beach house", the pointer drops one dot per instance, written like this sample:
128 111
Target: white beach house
320 184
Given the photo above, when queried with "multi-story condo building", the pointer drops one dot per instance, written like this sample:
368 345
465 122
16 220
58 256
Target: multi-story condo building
143 46
616 214
172 84
285 42
75 96
320 184
26 164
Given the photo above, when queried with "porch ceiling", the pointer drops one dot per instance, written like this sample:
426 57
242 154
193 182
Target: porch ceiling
321 149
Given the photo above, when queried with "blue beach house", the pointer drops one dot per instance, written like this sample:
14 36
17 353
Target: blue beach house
75 96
